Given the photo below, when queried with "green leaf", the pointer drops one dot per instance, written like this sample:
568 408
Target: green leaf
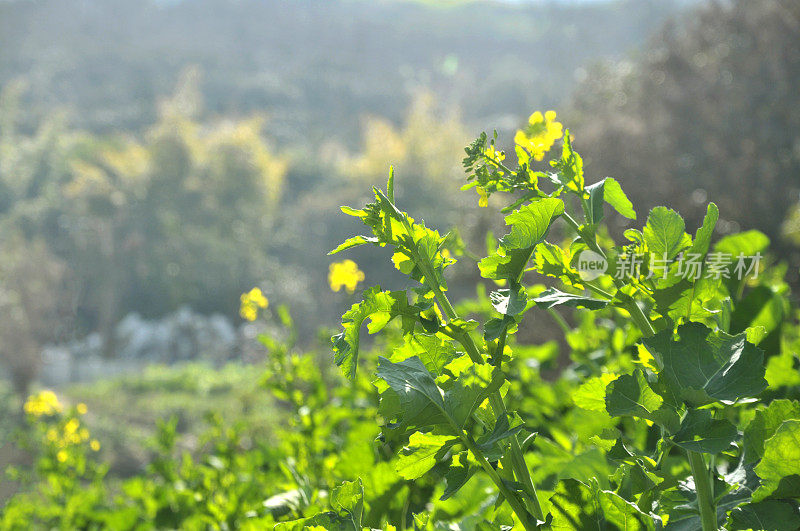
702 240
423 452
769 515
700 433
610 191
552 297
615 197
456 477
631 395
704 366
779 469
591 395
575 505
421 403
569 167
664 232
530 224
747 243
504 264
511 301
501 431
390 184
494 327
472 384
355 241
553 261
765 424
378 306
347 502
595 204
433 351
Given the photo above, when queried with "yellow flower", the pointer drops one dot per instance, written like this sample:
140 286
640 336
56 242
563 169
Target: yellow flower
493 154
44 403
251 302
61 456
95 445
81 408
71 426
345 274
541 133
483 201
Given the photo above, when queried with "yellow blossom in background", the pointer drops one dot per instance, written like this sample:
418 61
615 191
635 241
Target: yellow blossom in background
62 456
541 133
95 445
43 403
345 274
251 302
81 408
483 200
493 154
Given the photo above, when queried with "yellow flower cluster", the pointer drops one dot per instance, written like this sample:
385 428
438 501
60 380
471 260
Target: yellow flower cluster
70 434
541 133
344 274
493 154
251 302
43 403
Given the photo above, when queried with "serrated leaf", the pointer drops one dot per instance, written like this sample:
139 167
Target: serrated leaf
704 366
433 351
779 469
529 224
420 400
591 395
501 431
631 395
456 477
702 239
701 433
552 297
768 515
569 167
347 502
765 423
379 307
664 232
423 452
575 505
510 301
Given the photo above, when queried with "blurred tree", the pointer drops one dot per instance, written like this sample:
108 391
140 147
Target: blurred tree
710 109
180 217
35 303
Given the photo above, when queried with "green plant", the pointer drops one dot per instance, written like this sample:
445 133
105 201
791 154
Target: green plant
688 444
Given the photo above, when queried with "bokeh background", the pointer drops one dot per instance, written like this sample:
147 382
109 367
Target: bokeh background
160 157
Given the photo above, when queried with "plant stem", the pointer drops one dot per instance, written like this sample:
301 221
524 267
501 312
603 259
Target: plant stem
518 463
705 496
512 498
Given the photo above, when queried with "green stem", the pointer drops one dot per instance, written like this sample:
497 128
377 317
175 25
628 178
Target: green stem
509 495
705 496
560 321
518 463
